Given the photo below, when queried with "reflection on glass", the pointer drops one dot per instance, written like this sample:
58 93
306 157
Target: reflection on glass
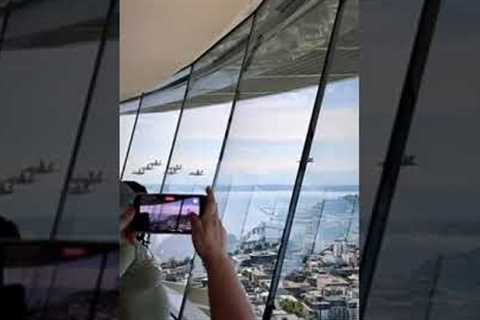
206 111
151 144
153 137
46 66
277 93
320 270
201 132
319 278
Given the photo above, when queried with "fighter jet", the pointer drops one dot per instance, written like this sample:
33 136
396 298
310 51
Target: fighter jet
148 167
79 186
172 170
6 188
407 161
138 172
25 177
197 172
42 168
95 177
309 160
156 163
178 167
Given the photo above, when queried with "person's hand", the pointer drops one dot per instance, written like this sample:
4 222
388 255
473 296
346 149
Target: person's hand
126 233
208 234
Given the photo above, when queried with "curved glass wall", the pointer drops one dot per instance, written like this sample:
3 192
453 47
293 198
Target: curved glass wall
270 120
205 115
128 116
262 104
152 140
319 278
195 154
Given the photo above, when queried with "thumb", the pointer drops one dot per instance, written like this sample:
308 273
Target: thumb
197 227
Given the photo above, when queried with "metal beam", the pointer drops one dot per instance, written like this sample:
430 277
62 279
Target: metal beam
125 160
224 142
177 129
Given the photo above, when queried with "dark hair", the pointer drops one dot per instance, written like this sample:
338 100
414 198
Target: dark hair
8 229
136 187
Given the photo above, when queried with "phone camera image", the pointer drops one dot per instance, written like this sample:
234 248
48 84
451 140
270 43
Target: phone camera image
166 213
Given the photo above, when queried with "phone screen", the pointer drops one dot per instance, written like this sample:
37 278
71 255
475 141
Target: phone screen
166 213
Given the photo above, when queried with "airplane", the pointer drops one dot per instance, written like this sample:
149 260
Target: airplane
156 163
138 172
197 172
25 177
79 186
95 177
6 187
172 170
309 160
178 167
407 161
42 168
148 167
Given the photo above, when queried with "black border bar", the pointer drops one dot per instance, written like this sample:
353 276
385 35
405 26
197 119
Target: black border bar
396 148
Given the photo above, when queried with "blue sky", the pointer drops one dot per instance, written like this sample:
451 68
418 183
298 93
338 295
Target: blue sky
266 139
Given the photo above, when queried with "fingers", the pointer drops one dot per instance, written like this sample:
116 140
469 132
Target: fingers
211 206
197 227
126 217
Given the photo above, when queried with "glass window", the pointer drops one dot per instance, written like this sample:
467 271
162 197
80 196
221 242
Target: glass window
91 204
153 137
205 115
277 93
128 115
319 278
195 154
431 244
151 146
46 66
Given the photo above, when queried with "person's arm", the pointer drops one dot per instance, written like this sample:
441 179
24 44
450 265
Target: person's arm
228 300
126 233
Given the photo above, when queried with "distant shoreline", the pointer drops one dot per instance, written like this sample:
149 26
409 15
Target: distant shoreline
265 187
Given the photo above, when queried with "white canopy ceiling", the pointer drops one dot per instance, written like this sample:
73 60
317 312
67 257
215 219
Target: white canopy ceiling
159 37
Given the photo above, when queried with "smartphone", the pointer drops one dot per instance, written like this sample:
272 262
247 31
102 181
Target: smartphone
166 213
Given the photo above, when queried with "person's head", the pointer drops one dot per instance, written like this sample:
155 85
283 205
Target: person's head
135 186
128 191
8 229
